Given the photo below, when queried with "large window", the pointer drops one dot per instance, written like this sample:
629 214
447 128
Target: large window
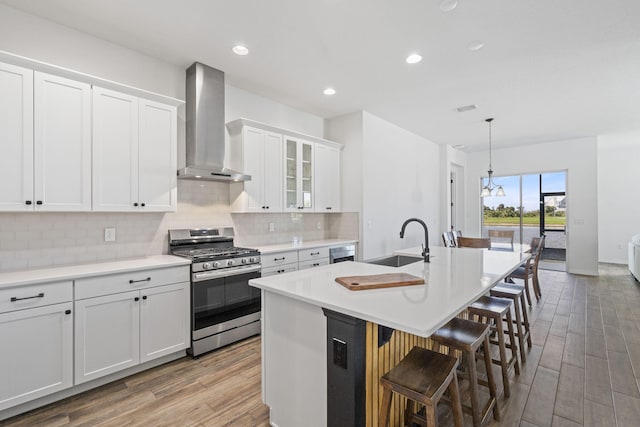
535 204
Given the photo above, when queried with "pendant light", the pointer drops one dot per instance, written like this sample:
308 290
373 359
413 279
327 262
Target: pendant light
487 190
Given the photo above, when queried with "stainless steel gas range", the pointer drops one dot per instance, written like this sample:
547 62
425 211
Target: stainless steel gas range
224 308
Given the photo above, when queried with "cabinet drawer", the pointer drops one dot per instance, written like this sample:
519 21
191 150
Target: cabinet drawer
279 269
123 282
313 263
313 253
279 258
21 297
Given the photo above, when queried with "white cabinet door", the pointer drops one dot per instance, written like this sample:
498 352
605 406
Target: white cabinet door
253 141
164 320
115 151
299 178
327 178
157 157
272 176
36 353
62 144
16 136
107 335
261 157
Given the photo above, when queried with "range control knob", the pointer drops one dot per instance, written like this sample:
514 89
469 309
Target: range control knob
206 266
216 264
230 262
252 259
245 260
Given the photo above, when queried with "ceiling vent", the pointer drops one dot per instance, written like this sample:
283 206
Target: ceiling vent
466 108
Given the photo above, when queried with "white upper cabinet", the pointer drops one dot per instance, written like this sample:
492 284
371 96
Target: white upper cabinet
290 171
134 153
327 178
258 153
65 150
16 134
62 144
299 179
157 161
46 142
115 150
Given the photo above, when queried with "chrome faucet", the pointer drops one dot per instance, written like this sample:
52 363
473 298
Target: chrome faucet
425 247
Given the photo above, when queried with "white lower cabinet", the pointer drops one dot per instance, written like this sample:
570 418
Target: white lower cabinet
36 353
107 335
164 321
118 331
286 262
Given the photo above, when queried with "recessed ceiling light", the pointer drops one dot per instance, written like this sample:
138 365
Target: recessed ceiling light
414 58
448 5
459 146
329 91
466 108
240 50
475 45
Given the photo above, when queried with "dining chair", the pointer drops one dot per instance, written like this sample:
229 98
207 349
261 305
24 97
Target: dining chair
474 242
502 236
529 270
447 239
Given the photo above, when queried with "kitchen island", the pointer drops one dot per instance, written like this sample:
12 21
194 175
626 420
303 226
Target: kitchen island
319 366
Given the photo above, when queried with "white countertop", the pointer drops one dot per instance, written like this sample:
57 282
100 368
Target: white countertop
454 278
56 274
267 249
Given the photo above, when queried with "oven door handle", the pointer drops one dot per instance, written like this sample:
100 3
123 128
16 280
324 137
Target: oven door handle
205 275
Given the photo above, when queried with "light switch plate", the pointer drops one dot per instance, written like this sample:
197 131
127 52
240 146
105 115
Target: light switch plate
110 234
272 227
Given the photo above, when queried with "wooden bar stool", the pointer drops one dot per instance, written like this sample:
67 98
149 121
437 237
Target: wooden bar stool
494 309
422 377
515 292
468 336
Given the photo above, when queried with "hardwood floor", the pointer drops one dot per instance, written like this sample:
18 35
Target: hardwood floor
221 388
583 370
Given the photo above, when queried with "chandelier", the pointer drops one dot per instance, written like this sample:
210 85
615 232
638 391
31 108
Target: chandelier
487 190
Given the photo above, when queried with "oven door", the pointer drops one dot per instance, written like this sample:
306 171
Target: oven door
220 299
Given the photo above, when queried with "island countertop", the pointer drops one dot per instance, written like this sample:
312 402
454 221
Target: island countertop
454 278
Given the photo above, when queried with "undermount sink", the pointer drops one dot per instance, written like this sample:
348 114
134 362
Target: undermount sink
395 260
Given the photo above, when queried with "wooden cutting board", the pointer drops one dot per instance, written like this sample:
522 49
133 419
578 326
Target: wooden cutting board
376 281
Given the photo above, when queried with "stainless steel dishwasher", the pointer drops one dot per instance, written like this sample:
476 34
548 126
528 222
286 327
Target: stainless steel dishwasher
342 253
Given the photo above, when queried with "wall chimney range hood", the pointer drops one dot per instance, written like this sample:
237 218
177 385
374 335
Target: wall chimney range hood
205 129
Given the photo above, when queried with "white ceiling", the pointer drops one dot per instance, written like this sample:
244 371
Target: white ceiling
550 69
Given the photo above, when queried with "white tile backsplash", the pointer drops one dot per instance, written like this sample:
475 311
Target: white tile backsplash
35 239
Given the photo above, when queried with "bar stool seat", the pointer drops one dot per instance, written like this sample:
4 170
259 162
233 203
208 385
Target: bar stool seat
468 336
422 376
492 309
515 292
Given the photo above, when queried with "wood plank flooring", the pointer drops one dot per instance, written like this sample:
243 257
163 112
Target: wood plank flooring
583 370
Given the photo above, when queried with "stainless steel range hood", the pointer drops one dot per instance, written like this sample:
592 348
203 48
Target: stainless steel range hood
205 127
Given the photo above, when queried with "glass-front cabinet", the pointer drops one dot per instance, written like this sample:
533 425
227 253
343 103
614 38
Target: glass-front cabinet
299 174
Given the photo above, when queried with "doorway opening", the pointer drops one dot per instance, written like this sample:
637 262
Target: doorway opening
534 205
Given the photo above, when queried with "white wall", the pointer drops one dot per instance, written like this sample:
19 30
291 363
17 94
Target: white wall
579 158
618 199
401 180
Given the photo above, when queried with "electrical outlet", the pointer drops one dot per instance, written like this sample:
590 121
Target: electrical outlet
272 227
110 234
319 225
